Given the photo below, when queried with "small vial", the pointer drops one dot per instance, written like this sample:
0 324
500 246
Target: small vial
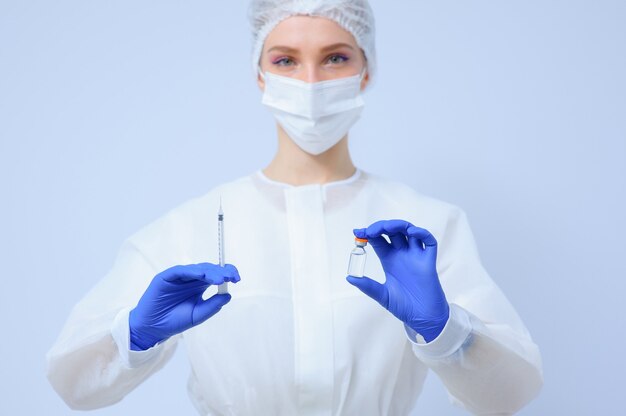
356 267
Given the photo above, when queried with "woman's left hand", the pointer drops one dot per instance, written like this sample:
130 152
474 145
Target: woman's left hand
412 291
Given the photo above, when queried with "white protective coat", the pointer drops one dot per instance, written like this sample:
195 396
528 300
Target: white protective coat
297 338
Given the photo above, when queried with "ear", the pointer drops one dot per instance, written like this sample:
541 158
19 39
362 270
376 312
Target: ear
260 82
365 80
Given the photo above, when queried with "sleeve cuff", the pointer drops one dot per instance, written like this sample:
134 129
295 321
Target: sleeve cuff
121 335
451 338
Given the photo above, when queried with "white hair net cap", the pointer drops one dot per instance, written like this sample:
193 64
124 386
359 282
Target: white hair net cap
355 16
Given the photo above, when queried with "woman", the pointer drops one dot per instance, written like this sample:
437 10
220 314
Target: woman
299 337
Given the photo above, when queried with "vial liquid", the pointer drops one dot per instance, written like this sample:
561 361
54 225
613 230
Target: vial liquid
356 267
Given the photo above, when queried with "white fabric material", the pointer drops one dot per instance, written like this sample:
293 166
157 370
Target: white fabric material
355 16
121 335
296 337
454 334
314 115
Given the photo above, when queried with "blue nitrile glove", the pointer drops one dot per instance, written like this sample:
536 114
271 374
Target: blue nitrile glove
173 302
411 291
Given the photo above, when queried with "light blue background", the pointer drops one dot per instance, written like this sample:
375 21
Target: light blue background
114 112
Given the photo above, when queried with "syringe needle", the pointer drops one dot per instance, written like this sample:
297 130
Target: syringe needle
223 288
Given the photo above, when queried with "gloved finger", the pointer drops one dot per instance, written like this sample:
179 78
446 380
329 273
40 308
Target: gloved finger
182 273
371 288
207 308
231 274
416 244
380 245
398 241
374 233
214 274
389 227
359 232
422 235
394 229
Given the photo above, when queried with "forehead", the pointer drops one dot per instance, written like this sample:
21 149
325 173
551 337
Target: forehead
303 31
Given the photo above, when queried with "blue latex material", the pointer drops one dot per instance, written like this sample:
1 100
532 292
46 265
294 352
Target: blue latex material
173 302
412 291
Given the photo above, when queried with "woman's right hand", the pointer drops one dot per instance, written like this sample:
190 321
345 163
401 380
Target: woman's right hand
173 302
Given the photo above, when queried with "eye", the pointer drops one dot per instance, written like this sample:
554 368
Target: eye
338 59
285 61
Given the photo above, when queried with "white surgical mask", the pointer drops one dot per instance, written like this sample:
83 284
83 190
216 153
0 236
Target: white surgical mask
315 115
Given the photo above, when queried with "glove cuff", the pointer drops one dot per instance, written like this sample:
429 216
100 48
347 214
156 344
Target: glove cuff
452 337
140 339
120 331
430 330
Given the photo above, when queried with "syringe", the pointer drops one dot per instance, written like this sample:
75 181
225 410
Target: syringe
223 288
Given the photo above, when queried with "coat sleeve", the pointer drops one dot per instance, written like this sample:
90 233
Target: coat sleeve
85 365
484 356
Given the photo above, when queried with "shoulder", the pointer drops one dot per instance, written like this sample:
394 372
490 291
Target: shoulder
396 192
191 214
446 221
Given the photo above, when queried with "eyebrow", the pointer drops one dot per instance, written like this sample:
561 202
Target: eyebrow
324 49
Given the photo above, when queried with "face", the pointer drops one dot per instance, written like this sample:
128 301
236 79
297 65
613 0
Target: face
311 49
